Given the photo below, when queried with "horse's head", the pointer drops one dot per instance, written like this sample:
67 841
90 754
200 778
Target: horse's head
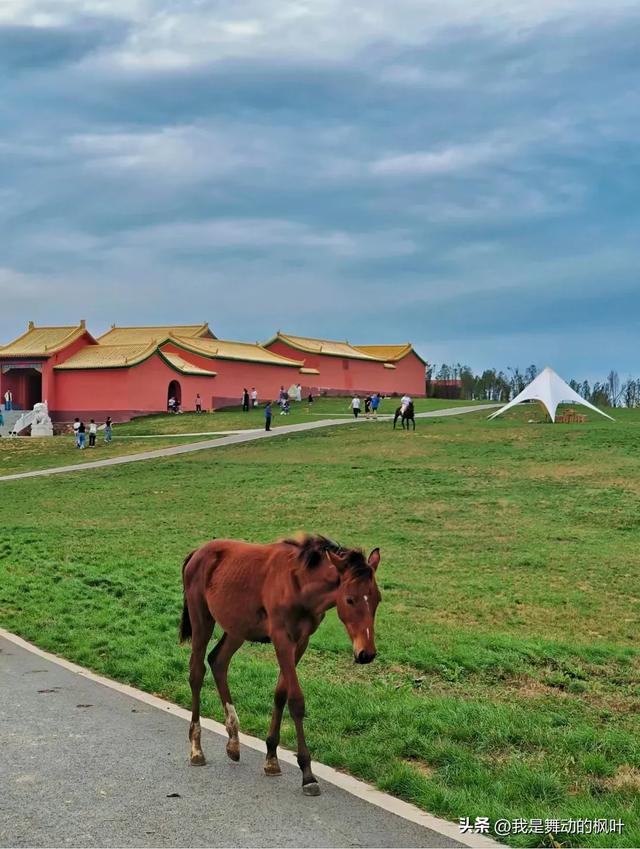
357 599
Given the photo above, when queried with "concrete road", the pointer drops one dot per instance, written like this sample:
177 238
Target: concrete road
84 765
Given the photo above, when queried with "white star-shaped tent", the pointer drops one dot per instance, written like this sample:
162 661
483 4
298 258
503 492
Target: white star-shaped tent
550 390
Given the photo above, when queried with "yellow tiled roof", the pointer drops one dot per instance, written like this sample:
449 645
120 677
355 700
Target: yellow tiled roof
182 365
388 353
322 346
140 335
226 350
42 341
108 356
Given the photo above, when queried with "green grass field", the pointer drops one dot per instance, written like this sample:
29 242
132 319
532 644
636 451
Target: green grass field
23 454
26 454
233 418
506 683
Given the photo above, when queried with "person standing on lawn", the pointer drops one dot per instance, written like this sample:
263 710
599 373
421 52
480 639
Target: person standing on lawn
245 400
375 403
93 432
107 430
198 403
76 431
254 397
267 416
355 406
81 435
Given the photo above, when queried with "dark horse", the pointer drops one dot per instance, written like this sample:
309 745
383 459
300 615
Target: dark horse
407 416
275 593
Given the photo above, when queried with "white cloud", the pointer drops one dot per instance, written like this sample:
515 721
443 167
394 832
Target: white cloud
186 33
267 234
184 153
448 160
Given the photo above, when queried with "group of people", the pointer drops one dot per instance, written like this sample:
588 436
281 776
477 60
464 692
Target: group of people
371 405
249 399
80 432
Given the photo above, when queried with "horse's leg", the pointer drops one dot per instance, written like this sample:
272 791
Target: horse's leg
414 423
219 659
286 652
202 628
271 766
395 419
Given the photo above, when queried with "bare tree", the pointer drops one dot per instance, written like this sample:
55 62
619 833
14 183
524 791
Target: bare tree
613 387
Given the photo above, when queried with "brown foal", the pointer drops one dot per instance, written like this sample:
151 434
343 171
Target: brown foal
275 593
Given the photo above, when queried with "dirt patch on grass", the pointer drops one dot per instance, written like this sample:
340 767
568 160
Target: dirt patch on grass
625 778
420 766
531 688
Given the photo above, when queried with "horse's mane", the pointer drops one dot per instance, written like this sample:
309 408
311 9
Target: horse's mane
313 547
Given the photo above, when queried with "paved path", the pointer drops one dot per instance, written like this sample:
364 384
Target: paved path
233 439
84 764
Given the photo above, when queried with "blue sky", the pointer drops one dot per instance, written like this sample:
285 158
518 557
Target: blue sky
461 175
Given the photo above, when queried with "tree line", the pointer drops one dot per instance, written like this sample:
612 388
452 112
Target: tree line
459 381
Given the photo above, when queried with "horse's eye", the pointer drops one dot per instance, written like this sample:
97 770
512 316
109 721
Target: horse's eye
350 600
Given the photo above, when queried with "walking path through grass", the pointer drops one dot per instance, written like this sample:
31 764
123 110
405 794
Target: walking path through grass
234 439
128 731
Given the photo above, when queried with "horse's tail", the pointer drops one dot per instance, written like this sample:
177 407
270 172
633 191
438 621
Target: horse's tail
184 633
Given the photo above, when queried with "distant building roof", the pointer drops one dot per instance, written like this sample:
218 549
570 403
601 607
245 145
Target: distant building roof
139 335
180 364
330 347
389 353
108 356
125 356
43 341
224 349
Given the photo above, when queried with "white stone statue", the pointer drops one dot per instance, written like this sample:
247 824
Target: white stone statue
41 424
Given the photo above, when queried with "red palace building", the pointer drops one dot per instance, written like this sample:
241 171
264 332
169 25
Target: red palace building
130 371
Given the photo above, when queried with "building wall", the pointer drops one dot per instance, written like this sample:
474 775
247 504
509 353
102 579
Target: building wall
341 375
125 392
234 375
50 376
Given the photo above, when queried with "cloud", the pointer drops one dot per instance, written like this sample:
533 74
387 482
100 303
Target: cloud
435 171
449 160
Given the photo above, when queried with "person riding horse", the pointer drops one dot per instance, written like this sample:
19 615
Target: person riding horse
405 413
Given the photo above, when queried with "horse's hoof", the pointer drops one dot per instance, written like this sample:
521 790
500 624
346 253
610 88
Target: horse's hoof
311 789
198 760
233 752
272 768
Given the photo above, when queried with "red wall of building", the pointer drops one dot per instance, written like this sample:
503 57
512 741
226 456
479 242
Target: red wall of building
343 375
234 375
49 376
124 392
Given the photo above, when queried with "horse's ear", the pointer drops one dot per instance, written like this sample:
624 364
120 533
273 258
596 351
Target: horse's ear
338 560
374 559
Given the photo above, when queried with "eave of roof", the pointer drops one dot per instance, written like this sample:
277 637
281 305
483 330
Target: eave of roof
224 349
62 336
390 353
139 334
108 357
310 345
183 366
